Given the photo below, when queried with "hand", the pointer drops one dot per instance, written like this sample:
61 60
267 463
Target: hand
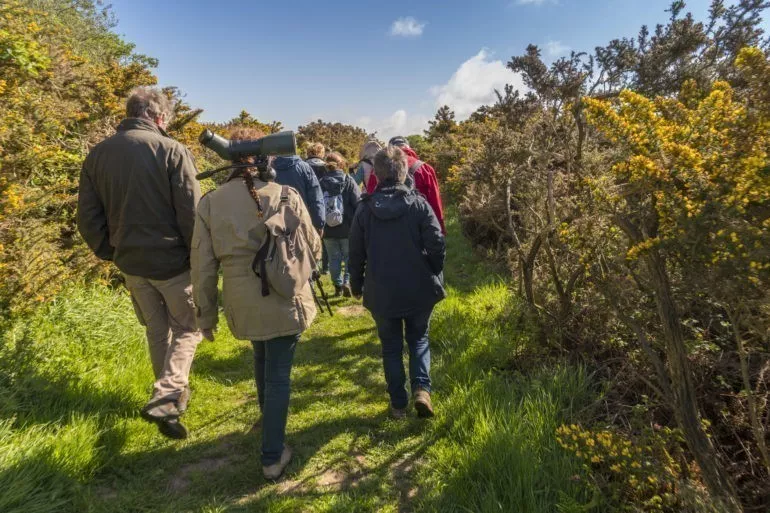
208 334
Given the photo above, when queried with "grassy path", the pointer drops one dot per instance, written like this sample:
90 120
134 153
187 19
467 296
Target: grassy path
74 441
349 455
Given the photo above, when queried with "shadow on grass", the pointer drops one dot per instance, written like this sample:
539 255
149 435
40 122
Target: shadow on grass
37 399
227 471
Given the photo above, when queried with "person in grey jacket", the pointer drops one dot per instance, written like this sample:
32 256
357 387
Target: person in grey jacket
136 208
296 173
397 252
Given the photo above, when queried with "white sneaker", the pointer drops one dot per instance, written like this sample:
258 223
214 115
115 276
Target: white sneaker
275 470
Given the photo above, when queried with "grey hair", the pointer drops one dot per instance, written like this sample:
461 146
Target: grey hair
148 102
369 150
390 164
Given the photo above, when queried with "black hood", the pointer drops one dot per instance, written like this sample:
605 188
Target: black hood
333 182
391 201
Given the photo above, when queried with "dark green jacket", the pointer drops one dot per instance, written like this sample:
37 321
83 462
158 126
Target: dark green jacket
137 200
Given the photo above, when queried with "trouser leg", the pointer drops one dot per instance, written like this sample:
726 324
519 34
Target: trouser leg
279 355
185 337
417 327
335 260
345 258
150 309
259 371
391 333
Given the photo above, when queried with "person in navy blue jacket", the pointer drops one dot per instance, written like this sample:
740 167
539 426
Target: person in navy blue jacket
397 252
296 173
340 191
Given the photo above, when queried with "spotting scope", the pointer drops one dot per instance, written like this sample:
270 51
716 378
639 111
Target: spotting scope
282 143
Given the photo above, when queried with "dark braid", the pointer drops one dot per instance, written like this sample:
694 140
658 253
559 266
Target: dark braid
248 179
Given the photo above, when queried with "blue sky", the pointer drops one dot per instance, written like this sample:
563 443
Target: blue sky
385 66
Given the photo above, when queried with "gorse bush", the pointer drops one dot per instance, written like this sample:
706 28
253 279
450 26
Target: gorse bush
63 77
629 191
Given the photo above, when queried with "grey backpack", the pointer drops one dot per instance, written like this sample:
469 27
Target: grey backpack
285 260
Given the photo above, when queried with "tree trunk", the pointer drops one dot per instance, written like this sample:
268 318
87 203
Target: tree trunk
527 278
688 417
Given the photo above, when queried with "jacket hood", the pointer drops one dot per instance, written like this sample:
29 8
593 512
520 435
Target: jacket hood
283 163
315 161
391 201
333 182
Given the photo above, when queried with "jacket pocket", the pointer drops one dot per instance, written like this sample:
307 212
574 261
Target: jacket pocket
137 310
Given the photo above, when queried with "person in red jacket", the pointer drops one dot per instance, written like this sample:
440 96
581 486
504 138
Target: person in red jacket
422 177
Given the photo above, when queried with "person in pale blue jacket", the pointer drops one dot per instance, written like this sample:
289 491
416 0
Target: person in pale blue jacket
296 173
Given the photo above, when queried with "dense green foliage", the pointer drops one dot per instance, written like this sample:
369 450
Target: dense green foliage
346 139
63 79
635 224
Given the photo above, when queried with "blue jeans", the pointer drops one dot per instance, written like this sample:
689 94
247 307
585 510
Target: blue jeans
339 253
392 333
272 370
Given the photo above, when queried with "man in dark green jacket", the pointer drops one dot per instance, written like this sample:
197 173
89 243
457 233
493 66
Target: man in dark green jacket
136 208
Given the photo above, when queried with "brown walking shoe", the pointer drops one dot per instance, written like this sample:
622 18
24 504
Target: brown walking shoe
346 292
275 470
422 404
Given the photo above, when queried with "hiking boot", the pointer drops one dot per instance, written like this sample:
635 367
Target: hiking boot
397 413
275 470
184 400
337 291
346 291
165 415
422 404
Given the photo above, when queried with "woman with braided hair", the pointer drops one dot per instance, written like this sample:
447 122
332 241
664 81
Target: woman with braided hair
229 231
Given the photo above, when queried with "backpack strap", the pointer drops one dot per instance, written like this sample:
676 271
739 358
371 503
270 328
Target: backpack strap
259 266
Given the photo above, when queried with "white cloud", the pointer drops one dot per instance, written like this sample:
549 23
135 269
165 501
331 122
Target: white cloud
407 27
398 123
556 49
474 84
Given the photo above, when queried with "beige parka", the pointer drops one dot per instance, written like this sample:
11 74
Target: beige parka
228 232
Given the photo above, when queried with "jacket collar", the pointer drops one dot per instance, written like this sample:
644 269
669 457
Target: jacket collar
140 124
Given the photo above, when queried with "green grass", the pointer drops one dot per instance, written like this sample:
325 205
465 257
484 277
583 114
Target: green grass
74 375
